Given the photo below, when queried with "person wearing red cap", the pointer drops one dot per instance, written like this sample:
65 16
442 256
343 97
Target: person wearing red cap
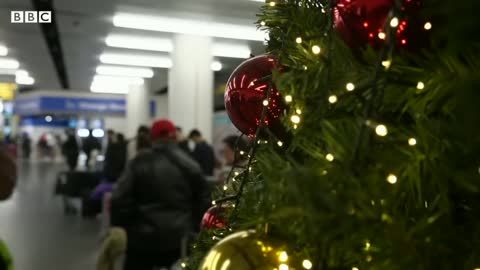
159 200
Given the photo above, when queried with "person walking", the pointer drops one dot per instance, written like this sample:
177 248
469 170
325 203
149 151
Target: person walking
159 200
203 153
89 144
139 143
26 145
71 150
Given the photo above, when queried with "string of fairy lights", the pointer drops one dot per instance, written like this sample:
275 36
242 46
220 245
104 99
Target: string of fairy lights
380 129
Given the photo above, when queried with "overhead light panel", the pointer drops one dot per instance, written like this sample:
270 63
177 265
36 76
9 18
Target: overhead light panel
140 43
113 84
136 60
21 73
125 71
9 63
166 45
185 26
231 50
113 80
108 89
3 50
4 71
24 80
216 66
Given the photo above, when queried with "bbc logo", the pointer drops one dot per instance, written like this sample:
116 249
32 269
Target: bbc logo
30 16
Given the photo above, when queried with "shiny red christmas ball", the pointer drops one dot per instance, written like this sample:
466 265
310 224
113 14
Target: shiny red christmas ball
216 217
246 94
361 22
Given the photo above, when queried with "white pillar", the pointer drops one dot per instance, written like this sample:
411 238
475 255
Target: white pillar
190 90
138 108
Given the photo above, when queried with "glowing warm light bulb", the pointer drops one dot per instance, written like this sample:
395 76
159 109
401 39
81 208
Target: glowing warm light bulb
283 256
265 103
298 40
412 141
367 245
316 49
305 67
386 64
184 265
236 173
214 202
329 157
427 26
381 130
288 98
332 99
420 85
298 111
279 143
392 179
242 153
283 267
262 23
382 35
272 4
350 87
295 119
225 187
355 268
394 22
307 264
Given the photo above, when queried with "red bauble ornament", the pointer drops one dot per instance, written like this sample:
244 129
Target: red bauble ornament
361 22
246 92
216 217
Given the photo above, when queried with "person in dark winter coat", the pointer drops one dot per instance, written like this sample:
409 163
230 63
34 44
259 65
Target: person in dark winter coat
115 157
203 153
71 150
8 178
26 145
159 200
139 143
8 175
89 144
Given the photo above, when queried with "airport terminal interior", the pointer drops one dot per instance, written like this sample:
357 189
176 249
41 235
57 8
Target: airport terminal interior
239 134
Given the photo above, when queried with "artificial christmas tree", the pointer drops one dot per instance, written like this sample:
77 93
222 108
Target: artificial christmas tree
381 169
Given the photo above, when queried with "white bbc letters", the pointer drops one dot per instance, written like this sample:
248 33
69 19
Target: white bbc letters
30 16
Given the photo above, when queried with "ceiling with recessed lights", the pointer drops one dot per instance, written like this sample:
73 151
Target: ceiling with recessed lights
128 38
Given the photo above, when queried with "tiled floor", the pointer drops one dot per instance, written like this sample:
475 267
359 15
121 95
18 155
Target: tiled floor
34 227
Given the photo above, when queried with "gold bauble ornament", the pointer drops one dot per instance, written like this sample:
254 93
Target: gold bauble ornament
246 250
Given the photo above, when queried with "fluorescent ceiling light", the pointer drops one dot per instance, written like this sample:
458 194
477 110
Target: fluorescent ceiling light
136 60
258 1
21 73
3 50
166 45
7 71
231 50
9 63
112 84
109 89
216 66
119 80
140 43
25 80
185 26
125 71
